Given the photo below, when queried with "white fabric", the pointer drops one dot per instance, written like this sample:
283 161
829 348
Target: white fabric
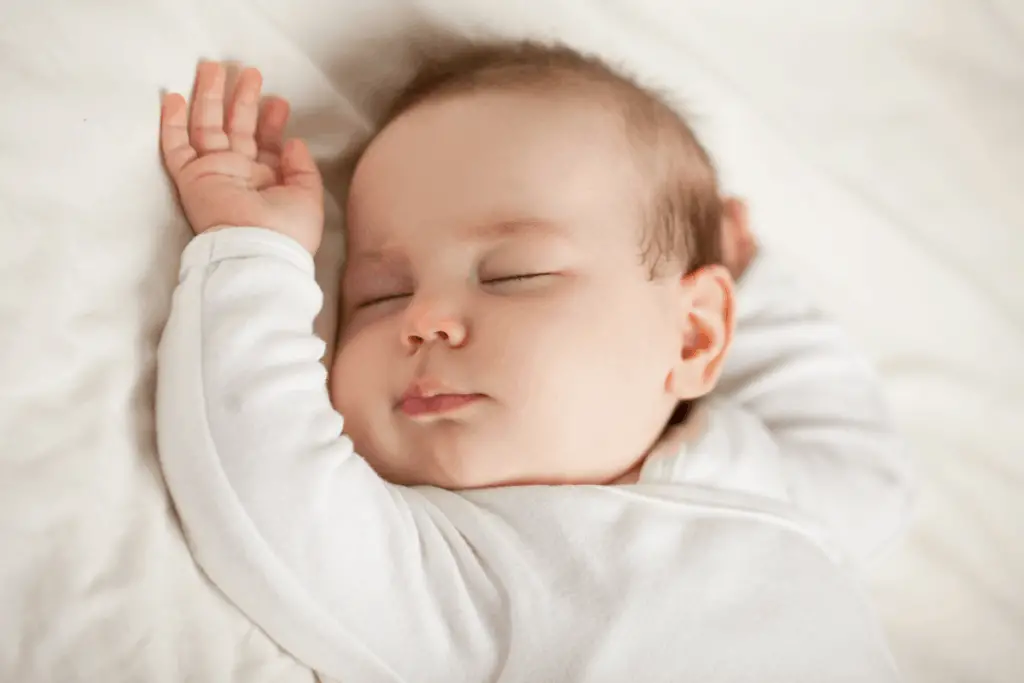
678 578
880 145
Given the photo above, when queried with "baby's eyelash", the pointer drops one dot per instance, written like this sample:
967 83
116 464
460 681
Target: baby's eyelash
512 278
383 299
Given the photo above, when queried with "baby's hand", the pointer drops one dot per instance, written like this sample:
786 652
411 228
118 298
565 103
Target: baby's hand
738 244
235 170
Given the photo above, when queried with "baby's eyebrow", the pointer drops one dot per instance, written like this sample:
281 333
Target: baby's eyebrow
507 228
374 256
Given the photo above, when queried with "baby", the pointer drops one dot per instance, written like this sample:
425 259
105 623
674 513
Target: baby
522 487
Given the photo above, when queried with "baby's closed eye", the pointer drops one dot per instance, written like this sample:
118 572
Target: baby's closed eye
517 281
382 299
500 284
368 288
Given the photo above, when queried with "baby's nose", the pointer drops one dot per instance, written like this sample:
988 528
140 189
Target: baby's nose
432 323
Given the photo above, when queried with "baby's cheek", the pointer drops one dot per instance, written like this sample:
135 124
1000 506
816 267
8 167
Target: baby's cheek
547 350
345 377
349 394
335 386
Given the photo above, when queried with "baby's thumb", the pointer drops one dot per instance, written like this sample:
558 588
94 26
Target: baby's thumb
297 166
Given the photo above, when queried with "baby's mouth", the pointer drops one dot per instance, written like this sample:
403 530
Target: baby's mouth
426 398
436 405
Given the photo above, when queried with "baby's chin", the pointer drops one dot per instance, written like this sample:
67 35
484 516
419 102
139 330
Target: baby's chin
448 470
445 476
458 457
468 476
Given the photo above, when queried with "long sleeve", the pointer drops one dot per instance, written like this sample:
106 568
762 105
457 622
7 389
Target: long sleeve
277 508
365 581
798 416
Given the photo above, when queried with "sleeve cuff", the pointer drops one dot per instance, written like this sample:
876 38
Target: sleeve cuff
221 244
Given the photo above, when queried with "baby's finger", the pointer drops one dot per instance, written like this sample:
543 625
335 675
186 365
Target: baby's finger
270 130
298 168
207 125
243 113
174 143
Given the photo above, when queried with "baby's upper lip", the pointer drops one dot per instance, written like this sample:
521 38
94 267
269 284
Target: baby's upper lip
425 387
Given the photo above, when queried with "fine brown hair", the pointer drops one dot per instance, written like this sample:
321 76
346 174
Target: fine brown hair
682 214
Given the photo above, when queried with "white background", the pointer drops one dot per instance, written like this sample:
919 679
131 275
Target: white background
880 143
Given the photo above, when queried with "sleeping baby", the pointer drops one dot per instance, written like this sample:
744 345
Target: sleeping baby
556 442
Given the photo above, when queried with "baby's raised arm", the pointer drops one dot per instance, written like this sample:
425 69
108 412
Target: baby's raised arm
340 567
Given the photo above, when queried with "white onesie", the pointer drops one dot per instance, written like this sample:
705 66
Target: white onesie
731 560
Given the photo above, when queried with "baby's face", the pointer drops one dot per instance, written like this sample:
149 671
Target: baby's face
499 325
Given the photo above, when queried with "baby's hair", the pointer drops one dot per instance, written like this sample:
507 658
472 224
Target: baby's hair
682 215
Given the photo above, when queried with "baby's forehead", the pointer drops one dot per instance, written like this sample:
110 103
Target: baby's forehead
493 117
493 157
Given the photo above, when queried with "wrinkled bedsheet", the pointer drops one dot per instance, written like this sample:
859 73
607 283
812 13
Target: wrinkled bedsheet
880 144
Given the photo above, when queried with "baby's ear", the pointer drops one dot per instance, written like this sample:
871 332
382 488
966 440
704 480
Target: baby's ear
707 322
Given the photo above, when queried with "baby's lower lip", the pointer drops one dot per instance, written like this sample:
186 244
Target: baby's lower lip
435 405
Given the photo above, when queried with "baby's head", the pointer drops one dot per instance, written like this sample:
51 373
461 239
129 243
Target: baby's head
530 289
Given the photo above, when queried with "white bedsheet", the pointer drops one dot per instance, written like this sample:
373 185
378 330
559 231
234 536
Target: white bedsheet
881 145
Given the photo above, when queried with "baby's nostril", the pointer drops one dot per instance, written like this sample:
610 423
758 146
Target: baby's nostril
443 335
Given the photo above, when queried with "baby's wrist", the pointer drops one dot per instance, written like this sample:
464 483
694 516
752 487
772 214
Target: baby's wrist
309 242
